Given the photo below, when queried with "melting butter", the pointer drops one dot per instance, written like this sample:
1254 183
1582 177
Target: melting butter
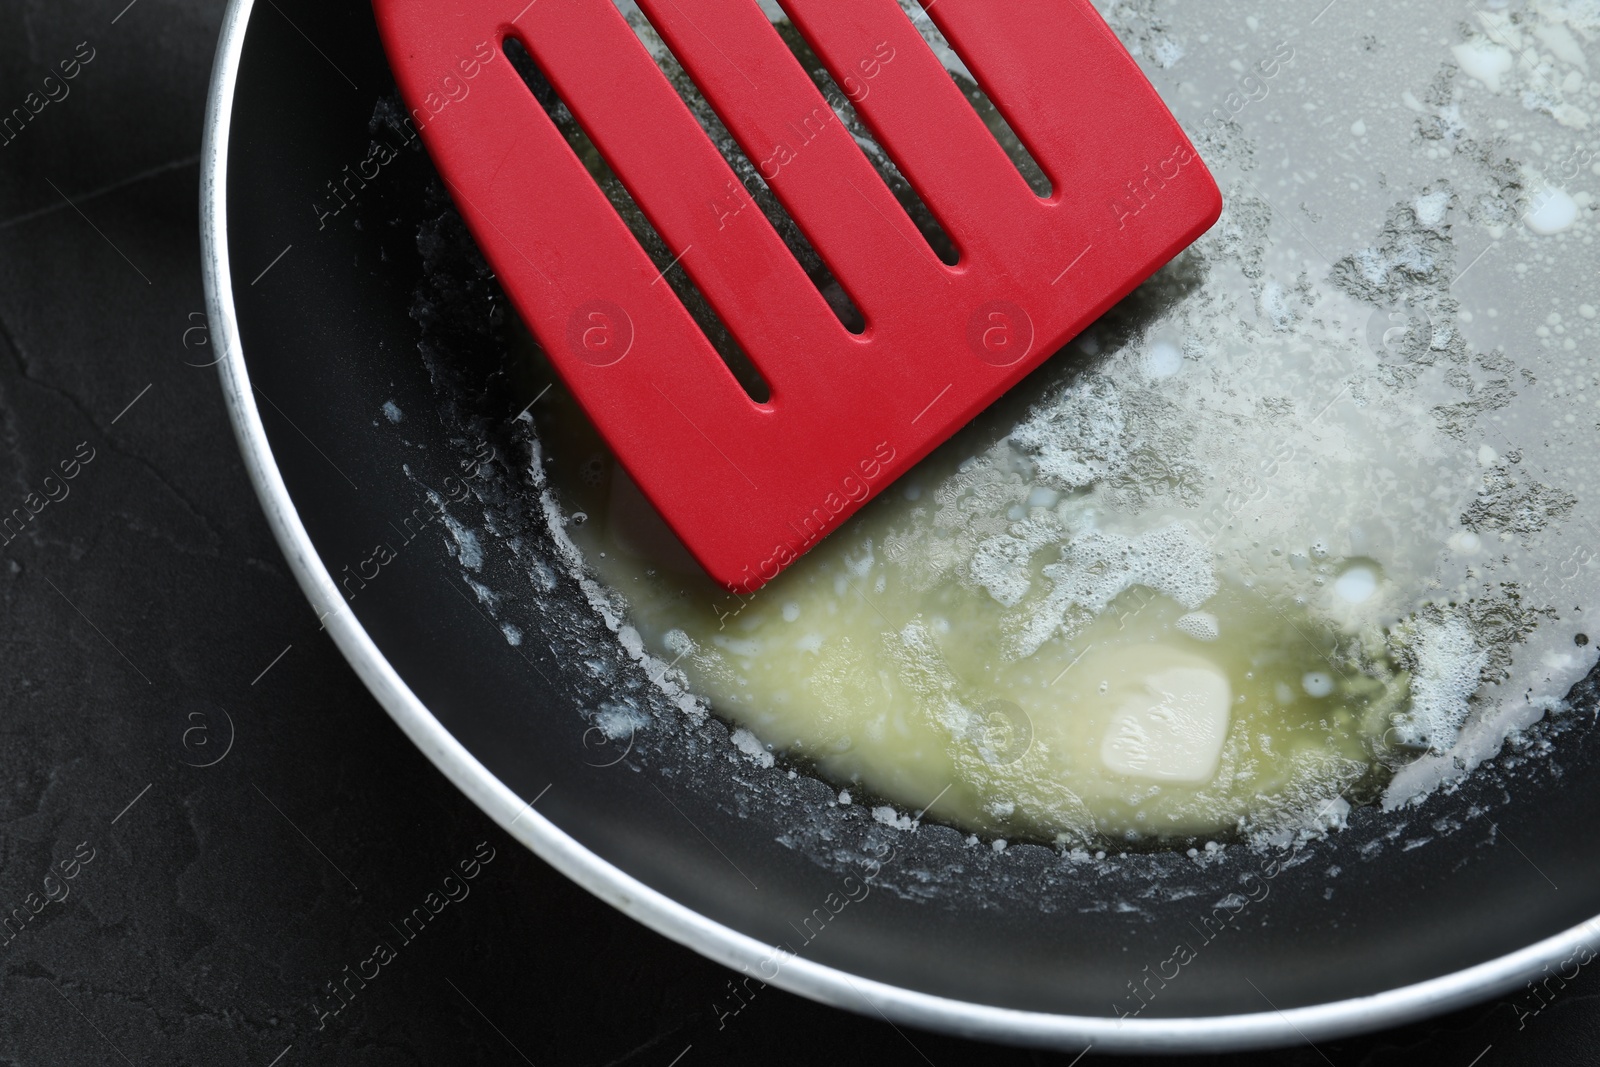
1169 705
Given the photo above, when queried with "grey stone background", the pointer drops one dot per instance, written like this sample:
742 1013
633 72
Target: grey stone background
151 626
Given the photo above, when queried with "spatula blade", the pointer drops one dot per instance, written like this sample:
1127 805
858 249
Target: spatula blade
749 487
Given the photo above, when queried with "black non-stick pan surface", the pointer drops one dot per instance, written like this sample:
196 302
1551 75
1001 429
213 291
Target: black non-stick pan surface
330 315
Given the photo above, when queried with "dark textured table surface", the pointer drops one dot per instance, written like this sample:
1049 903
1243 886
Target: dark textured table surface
237 816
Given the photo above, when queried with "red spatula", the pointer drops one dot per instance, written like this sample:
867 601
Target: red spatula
749 487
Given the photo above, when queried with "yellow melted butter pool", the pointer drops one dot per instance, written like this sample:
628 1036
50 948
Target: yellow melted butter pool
1206 709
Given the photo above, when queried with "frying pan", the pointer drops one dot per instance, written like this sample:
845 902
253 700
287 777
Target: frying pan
375 402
